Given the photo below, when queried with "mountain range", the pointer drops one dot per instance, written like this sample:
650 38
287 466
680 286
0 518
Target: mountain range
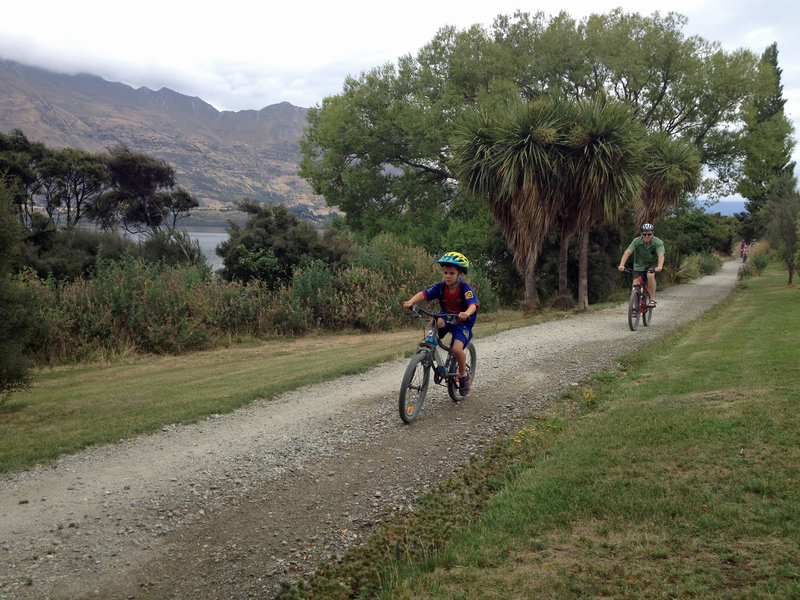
219 156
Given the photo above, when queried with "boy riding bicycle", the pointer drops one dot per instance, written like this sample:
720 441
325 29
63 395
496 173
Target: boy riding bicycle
455 297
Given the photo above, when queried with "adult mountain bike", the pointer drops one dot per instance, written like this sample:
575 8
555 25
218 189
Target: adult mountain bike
434 360
639 304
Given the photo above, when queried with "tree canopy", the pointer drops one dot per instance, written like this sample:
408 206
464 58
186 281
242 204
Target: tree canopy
272 244
382 150
767 138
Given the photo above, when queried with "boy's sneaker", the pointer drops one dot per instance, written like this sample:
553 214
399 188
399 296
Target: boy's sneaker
464 384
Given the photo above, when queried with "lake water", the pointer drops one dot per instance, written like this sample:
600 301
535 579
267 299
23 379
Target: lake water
725 207
209 240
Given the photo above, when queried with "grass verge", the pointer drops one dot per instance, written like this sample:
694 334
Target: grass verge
674 477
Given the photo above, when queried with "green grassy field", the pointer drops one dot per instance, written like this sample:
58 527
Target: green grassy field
676 476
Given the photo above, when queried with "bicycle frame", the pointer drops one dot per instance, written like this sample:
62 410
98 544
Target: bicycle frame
432 355
639 304
433 345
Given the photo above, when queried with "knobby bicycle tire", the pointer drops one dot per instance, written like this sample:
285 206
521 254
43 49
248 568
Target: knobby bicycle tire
647 312
452 384
414 386
633 310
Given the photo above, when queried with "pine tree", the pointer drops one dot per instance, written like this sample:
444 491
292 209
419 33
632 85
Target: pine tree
767 141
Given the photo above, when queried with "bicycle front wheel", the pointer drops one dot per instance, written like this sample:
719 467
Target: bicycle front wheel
414 386
633 310
452 364
647 312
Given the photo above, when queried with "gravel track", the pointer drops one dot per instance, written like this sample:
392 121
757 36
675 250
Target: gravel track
231 506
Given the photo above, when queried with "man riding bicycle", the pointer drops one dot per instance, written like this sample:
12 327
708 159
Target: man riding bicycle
648 253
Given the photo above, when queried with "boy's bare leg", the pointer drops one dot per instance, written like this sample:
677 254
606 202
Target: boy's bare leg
461 356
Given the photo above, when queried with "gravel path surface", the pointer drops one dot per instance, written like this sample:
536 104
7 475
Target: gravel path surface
233 505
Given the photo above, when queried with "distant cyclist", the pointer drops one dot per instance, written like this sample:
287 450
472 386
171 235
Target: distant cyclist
455 297
648 253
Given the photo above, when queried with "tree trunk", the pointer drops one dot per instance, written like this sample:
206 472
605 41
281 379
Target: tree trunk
583 270
531 294
563 261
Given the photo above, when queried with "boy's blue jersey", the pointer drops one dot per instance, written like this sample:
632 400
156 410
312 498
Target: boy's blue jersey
456 302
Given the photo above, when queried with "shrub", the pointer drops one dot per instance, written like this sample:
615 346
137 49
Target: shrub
363 302
759 262
698 265
758 258
238 308
128 304
134 305
312 294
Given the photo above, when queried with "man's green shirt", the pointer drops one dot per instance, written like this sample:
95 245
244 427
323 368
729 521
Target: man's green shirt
644 256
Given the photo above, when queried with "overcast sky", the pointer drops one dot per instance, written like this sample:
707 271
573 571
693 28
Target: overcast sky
242 54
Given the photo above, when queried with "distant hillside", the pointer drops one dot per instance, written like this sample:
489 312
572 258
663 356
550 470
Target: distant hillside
220 157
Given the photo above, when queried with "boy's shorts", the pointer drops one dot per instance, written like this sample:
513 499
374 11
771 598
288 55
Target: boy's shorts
459 331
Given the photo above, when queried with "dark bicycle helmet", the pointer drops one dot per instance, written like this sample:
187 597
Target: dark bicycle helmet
647 227
456 259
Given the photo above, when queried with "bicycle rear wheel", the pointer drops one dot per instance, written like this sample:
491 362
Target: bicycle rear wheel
452 367
414 386
647 312
633 310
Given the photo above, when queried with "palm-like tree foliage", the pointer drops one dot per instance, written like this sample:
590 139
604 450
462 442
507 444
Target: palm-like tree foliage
673 168
606 167
511 160
550 163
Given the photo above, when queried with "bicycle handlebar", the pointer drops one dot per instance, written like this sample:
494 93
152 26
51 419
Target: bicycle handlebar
419 311
626 270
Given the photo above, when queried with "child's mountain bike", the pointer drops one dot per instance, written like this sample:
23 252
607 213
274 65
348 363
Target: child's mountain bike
639 305
433 357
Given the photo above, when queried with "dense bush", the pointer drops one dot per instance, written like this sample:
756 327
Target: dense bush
71 254
127 304
17 313
688 230
132 305
274 243
754 266
697 265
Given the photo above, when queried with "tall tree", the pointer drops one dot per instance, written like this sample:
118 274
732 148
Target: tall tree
673 169
18 159
510 158
783 209
143 196
606 167
767 138
73 181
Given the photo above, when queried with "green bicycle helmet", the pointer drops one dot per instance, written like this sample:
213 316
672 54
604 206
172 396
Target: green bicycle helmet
455 258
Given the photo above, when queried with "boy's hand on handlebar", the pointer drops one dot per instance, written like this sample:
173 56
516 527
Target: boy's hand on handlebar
408 304
463 316
621 268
